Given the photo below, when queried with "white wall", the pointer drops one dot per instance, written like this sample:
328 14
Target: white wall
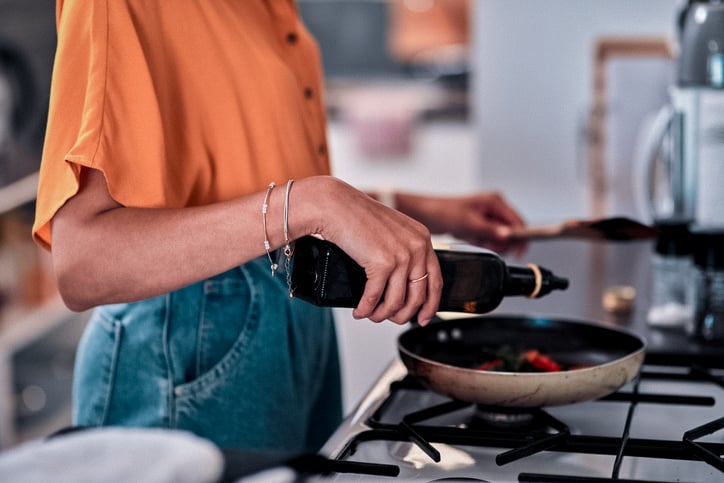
532 64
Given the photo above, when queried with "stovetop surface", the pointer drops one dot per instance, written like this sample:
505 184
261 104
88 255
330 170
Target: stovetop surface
660 407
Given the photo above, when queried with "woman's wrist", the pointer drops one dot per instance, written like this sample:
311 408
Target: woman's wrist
308 205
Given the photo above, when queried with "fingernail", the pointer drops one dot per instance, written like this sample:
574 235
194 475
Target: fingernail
504 231
423 322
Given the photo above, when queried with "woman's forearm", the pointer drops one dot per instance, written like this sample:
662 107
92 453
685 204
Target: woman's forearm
105 253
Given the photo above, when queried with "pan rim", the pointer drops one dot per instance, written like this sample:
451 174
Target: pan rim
597 325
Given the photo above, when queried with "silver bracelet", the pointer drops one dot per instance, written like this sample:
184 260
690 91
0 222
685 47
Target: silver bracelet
288 247
267 246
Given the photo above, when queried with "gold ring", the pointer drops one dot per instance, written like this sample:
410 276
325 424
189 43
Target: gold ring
415 280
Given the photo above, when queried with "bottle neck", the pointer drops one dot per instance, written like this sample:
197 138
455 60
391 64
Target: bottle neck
478 282
532 281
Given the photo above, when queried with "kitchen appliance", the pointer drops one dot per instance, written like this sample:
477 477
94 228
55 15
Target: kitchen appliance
684 152
707 322
667 425
637 434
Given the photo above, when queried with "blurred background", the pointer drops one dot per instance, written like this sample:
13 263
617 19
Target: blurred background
545 101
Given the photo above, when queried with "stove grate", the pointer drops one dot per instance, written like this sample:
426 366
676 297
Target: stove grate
553 435
542 443
596 445
713 458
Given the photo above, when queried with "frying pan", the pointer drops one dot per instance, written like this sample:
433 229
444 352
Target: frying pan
443 356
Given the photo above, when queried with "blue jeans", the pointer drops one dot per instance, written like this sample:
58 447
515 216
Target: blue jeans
232 359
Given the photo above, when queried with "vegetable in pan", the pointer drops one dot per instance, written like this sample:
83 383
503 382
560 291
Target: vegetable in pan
507 359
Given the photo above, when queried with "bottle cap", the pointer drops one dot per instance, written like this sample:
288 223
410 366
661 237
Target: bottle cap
708 248
674 237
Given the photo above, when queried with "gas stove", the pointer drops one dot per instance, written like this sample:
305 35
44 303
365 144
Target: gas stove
666 426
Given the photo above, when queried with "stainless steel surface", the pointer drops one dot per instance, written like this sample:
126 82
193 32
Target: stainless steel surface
598 418
355 423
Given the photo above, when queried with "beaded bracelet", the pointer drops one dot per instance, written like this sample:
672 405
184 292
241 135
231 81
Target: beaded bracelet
267 246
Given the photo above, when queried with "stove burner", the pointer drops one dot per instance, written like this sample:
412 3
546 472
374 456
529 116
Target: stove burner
504 418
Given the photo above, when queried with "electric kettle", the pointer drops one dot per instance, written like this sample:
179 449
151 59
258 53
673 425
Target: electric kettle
684 153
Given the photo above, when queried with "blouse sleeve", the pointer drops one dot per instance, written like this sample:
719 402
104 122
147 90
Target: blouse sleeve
76 98
179 103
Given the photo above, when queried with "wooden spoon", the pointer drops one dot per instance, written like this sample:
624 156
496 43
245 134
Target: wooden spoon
615 229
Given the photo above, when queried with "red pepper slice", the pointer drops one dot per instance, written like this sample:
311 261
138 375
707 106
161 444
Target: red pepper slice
490 365
541 361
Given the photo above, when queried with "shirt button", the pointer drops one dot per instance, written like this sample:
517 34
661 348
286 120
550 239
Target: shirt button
308 92
322 149
292 38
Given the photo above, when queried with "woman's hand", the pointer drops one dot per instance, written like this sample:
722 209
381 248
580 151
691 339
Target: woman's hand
483 219
394 250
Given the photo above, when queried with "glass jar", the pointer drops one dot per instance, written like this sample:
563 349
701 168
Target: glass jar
671 274
707 323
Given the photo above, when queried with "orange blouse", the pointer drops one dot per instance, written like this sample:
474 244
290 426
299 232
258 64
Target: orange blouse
180 103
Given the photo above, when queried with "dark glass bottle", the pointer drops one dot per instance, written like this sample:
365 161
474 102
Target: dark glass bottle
473 281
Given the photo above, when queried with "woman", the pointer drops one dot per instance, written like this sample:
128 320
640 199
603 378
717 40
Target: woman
169 122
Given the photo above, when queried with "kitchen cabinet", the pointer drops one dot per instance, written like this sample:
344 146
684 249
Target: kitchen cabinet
37 332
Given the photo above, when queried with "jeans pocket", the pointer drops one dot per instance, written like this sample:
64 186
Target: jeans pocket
227 322
95 369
